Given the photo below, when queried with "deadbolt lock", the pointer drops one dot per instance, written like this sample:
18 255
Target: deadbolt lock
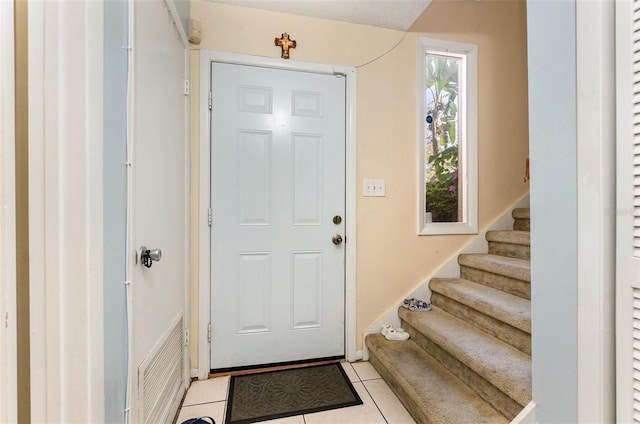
337 219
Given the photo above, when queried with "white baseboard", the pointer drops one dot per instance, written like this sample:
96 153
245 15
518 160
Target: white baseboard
194 373
357 356
527 415
449 269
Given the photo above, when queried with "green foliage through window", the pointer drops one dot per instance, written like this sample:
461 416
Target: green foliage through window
442 137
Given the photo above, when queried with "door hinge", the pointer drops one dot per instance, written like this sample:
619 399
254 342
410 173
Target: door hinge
210 101
209 333
186 87
186 337
210 217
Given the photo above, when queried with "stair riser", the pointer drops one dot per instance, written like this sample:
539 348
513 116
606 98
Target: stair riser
521 224
500 282
469 359
405 398
487 391
518 269
505 332
510 250
431 393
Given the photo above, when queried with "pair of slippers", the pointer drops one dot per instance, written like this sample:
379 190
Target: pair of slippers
391 333
416 305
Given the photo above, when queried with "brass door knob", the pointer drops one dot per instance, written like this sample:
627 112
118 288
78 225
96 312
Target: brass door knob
337 239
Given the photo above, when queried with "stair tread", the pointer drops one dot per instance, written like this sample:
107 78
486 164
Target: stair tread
508 308
437 392
510 267
521 213
502 365
510 236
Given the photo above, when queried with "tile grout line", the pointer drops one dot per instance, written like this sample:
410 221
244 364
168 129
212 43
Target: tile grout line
369 393
202 403
304 419
374 400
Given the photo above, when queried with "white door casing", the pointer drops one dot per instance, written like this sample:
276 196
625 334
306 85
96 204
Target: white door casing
596 179
628 212
8 333
65 69
278 181
204 271
158 211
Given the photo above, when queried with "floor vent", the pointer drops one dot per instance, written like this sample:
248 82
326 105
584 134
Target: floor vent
160 378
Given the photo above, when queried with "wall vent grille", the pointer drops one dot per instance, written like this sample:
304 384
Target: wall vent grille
636 128
636 356
160 378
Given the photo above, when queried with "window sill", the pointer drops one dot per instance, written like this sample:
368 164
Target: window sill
448 228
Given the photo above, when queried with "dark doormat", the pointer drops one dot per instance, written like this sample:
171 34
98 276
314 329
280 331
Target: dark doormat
277 394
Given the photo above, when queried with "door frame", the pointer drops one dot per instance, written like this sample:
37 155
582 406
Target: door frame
204 233
624 213
65 78
596 218
8 306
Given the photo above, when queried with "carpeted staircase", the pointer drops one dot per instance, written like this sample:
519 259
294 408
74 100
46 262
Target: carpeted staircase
468 359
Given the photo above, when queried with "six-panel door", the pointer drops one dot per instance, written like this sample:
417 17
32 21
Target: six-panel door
277 183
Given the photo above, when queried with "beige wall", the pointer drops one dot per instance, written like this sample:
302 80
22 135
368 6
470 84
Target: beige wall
499 28
391 259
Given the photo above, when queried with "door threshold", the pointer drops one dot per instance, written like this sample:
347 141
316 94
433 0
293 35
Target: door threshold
254 369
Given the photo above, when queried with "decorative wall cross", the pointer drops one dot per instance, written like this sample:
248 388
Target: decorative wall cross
285 43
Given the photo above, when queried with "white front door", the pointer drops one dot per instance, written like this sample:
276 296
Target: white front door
278 208
628 212
158 210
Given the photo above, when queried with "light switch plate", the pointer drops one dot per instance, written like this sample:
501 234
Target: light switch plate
373 188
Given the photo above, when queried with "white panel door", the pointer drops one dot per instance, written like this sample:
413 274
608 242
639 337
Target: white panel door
158 213
277 186
628 211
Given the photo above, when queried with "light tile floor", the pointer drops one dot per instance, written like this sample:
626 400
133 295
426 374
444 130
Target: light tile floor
380 405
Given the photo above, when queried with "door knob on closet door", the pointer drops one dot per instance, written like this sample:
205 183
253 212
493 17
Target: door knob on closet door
147 256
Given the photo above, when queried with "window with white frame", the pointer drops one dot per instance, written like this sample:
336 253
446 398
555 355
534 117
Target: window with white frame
447 137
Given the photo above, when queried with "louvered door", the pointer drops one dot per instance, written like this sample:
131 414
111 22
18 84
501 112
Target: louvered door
628 211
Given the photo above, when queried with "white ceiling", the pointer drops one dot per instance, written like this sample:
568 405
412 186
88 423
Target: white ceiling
394 14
